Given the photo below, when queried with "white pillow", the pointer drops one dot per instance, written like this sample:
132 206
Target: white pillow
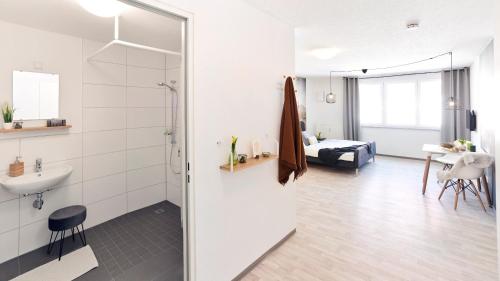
312 140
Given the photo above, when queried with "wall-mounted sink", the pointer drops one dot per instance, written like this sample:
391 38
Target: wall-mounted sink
38 182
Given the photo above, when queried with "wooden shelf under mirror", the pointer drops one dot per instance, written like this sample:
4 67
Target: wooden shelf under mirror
34 129
251 162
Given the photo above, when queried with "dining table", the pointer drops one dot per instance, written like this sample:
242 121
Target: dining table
449 157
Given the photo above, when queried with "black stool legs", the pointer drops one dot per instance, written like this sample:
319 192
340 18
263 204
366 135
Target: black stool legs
61 243
51 243
83 239
61 239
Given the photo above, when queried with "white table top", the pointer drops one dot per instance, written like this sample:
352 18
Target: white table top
436 149
449 157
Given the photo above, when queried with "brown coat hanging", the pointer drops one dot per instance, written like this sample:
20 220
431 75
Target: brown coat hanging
291 155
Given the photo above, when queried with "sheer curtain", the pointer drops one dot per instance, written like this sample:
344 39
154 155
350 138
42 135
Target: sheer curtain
453 124
351 109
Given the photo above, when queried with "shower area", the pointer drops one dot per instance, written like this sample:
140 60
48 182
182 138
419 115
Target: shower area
122 89
174 133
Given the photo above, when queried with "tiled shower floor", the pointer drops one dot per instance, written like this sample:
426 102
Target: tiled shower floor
142 245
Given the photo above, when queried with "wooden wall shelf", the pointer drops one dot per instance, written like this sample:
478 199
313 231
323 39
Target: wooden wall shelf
251 162
34 129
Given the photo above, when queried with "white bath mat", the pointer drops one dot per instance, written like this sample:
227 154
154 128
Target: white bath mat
71 266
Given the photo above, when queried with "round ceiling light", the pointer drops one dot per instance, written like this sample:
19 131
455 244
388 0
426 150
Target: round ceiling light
325 53
103 8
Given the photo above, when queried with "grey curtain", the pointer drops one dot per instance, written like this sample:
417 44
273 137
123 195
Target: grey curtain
351 109
453 121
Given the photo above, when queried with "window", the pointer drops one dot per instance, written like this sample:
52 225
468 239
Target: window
400 103
409 102
370 104
430 103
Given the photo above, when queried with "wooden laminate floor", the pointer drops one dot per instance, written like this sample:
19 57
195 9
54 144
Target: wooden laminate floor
378 226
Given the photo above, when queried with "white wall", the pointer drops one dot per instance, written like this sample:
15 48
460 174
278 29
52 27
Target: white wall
496 100
300 95
116 146
482 85
238 216
482 89
321 116
400 142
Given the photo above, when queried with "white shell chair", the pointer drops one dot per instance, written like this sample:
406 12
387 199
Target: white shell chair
468 167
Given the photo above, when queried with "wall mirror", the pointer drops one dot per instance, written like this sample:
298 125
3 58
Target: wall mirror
35 95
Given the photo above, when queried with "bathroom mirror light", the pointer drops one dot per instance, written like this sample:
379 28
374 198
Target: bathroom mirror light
103 8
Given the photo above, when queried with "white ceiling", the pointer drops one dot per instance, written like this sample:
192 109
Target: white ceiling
67 17
372 33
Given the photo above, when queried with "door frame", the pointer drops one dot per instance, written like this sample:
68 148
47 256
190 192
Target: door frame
187 76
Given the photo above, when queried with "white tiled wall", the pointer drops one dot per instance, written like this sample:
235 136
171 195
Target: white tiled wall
104 188
123 125
105 210
145 157
104 96
116 147
101 165
140 198
9 243
23 228
95 143
149 176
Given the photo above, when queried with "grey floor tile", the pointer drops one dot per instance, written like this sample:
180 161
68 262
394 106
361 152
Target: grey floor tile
153 267
9 269
96 274
174 274
142 245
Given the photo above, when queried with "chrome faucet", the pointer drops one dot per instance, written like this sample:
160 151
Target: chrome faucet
38 165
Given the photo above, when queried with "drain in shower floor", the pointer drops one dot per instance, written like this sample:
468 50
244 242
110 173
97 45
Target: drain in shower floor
159 211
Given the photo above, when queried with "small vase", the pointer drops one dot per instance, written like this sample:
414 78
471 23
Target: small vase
7 125
235 158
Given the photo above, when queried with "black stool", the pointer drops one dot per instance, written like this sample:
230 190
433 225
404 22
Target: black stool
64 219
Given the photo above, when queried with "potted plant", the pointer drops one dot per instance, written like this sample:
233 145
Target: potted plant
460 144
8 115
319 137
469 145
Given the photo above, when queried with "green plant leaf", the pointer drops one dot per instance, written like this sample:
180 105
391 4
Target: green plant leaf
7 113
